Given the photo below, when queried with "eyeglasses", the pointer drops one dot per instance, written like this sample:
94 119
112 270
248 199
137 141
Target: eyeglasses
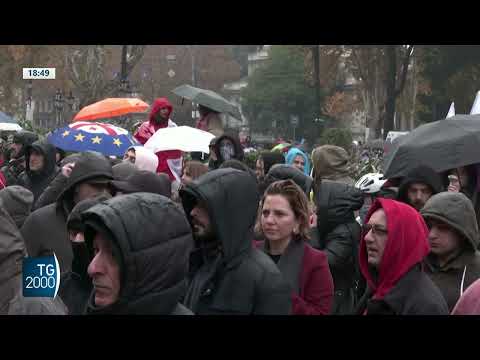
375 228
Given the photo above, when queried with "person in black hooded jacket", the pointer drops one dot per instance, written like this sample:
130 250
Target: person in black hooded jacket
135 268
338 235
16 165
227 274
223 148
45 229
418 186
40 169
75 285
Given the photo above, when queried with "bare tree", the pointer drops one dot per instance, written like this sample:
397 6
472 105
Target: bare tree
86 69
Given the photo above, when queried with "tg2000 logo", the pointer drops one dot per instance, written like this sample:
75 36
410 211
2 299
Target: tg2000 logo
41 276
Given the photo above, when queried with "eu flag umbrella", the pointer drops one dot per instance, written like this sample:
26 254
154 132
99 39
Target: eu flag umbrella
83 136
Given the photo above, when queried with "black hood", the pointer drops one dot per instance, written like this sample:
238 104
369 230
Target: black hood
285 172
271 158
232 200
90 165
421 174
25 138
336 203
237 148
154 263
49 153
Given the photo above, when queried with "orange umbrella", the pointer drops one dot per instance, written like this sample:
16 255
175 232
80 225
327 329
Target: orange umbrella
110 108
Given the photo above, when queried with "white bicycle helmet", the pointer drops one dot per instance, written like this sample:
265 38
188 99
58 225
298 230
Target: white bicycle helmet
371 183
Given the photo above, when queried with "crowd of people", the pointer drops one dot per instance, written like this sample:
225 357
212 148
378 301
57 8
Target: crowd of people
295 235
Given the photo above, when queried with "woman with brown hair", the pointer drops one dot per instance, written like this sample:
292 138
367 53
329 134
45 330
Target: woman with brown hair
283 221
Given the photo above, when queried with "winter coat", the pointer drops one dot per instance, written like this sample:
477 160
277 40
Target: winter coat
469 302
240 279
144 181
399 286
145 159
76 285
331 163
169 162
51 193
45 229
421 174
12 252
154 264
16 166
18 202
308 275
293 153
338 235
455 210
37 181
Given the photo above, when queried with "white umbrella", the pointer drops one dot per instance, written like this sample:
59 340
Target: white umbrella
10 127
476 105
451 111
184 138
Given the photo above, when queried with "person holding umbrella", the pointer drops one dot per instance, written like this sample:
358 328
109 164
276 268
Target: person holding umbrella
169 162
209 121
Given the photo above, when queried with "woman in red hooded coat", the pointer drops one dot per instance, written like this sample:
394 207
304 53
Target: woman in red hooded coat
392 247
169 162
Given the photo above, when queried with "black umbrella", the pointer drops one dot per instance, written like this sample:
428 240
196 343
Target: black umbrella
209 99
441 145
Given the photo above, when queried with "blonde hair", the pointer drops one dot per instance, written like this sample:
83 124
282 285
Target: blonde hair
298 203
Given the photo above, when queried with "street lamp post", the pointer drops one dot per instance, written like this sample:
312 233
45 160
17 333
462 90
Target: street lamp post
28 103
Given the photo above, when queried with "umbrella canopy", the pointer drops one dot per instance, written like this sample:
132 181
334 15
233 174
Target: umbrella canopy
283 147
209 99
110 108
7 123
83 136
184 138
441 145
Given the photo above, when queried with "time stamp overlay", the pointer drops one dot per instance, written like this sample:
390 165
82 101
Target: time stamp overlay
41 275
38 73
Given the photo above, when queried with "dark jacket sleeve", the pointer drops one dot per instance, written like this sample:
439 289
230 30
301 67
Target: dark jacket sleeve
28 231
339 247
49 196
317 295
273 296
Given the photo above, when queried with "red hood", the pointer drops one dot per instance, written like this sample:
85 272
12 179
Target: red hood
159 104
407 245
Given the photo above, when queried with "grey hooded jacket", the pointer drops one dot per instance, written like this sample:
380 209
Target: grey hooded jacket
455 210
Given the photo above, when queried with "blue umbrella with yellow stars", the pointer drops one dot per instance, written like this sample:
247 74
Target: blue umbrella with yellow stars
82 136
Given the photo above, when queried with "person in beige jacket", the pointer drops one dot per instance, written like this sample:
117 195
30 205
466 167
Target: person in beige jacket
331 162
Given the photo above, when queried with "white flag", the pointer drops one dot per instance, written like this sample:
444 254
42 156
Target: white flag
476 105
451 111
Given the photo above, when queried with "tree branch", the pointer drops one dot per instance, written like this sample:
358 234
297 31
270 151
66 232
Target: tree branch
406 62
